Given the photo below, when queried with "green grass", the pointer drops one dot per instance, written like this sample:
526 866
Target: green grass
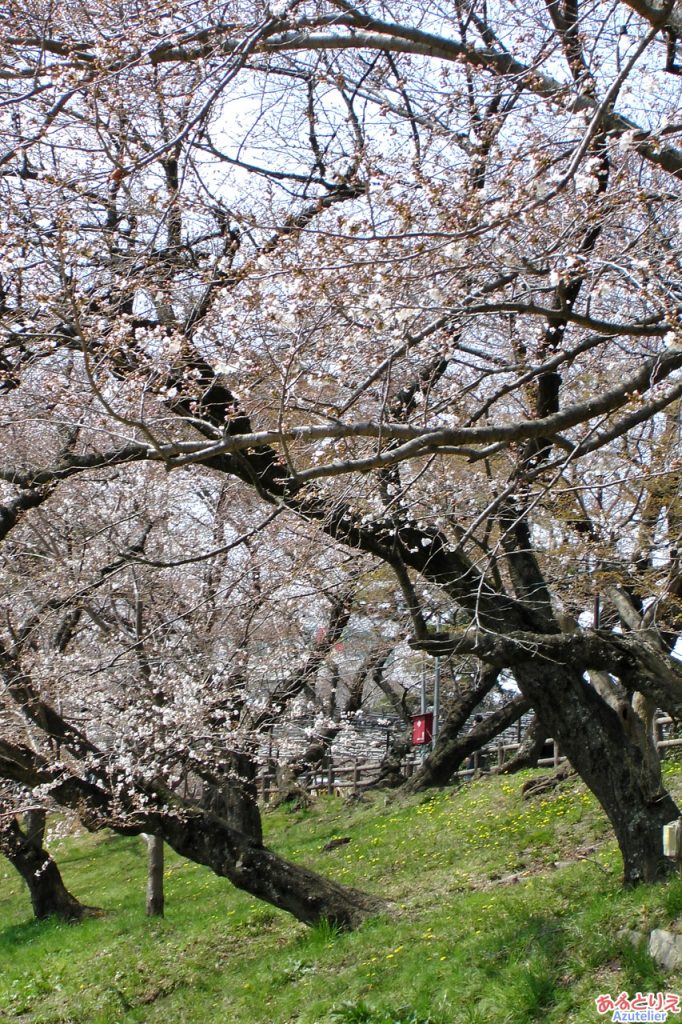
484 926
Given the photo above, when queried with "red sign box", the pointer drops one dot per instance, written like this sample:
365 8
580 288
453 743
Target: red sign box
422 729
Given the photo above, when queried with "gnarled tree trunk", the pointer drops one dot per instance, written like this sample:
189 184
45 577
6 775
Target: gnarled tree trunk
49 895
199 834
262 873
606 749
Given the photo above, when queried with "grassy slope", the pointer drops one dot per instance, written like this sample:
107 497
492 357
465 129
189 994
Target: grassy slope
466 942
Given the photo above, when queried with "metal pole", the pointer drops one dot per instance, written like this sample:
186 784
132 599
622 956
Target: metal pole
422 704
436 693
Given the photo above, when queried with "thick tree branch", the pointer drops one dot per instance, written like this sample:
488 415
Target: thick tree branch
198 834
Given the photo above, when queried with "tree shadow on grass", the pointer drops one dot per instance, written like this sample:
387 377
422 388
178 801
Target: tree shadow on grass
524 975
29 931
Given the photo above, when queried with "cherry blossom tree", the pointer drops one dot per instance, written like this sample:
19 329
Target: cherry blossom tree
407 278
175 686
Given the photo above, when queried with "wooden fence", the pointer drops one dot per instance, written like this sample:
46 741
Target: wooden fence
352 777
340 779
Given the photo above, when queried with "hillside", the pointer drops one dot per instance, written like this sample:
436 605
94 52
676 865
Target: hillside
505 910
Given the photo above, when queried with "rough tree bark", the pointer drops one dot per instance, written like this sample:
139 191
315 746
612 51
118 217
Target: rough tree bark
155 859
35 824
196 833
230 791
49 895
607 750
262 873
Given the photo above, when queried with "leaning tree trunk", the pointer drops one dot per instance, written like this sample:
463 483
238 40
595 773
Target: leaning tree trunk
200 835
607 748
49 895
453 746
530 749
225 834
250 866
